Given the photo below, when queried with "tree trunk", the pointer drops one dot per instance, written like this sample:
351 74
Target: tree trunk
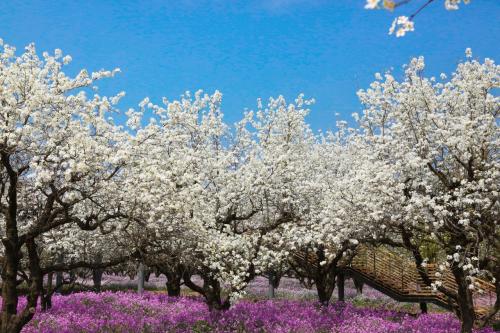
36 287
140 279
465 300
97 274
12 255
12 321
325 285
174 288
340 285
46 301
324 277
359 286
213 295
72 276
147 274
210 290
46 296
173 283
97 278
50 278
59 274
214 300
9 285
271 293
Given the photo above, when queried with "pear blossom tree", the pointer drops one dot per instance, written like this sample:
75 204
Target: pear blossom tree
438 143
60 157
193 183
217 197
289 186
327 243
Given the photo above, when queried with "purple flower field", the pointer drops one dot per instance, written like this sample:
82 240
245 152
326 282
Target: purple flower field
155 312
293 310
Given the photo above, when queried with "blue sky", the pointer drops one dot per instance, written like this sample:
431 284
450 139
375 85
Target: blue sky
248 49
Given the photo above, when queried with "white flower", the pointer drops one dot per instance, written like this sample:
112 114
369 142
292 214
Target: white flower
451 4
404 25
67 59
57 53
372 4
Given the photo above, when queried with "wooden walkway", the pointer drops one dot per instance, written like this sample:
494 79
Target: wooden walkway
397 277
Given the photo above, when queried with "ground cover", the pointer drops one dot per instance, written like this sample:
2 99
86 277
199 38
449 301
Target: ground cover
127 312
293 310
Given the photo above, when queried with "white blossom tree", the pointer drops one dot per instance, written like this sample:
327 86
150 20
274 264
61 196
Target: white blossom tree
438 144
60 157
193 183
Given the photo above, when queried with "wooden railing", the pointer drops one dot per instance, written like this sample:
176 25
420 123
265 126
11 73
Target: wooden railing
399 274
395 274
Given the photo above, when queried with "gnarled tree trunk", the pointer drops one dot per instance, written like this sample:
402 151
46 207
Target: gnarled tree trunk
325 285
174 279
465 301
211 291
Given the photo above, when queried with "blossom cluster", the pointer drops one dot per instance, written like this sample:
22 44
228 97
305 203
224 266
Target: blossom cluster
403 24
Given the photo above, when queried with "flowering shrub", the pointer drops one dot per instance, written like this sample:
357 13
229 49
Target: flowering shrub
127 312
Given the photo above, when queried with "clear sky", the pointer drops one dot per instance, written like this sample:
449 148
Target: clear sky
248 49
